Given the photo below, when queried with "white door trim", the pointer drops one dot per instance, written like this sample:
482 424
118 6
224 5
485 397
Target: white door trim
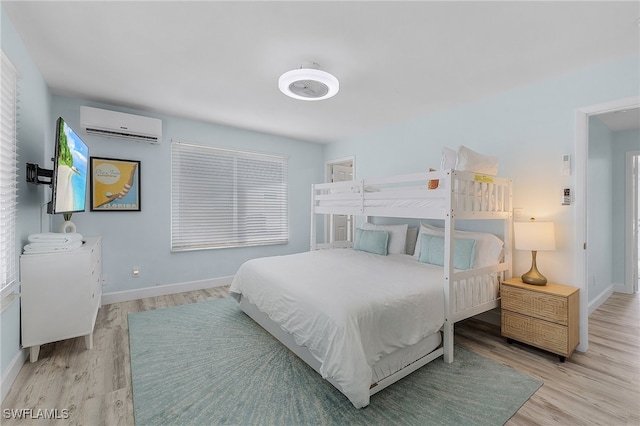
631 217
328 164
580 243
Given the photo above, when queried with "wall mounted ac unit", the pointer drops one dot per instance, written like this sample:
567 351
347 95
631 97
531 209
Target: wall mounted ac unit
113 124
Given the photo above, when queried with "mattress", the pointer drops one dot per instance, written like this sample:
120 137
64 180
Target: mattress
349 308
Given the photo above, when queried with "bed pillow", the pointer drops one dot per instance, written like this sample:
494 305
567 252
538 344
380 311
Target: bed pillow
488 249
397 236
371 241
472 161
432 251
449 158
412 237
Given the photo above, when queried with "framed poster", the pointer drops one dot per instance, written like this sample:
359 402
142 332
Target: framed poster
115 185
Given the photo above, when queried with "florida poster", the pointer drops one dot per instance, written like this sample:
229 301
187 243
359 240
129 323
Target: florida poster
115 184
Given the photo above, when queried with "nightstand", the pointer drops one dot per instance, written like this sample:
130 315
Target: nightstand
546 317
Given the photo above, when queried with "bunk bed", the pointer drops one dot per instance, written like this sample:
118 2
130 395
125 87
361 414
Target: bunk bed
364 319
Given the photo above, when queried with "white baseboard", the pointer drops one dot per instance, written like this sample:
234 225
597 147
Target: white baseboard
600 299
162 290
10 374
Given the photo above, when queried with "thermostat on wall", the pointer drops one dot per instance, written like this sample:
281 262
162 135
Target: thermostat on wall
566 196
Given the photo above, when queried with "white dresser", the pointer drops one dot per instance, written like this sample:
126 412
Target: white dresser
60 295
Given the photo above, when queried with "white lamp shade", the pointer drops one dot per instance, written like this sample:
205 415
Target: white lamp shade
534 236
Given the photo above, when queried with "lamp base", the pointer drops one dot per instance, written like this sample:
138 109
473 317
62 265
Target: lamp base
533 276
533 280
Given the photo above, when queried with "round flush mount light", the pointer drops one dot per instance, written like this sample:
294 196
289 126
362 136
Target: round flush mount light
308 83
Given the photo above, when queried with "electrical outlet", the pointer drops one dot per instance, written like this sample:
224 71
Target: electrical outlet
518 212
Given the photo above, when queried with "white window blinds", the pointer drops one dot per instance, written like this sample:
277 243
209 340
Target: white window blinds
8 174
227 198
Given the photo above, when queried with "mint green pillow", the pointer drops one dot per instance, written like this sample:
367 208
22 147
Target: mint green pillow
432 251
371 241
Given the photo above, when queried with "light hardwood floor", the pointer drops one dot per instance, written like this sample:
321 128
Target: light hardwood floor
599 387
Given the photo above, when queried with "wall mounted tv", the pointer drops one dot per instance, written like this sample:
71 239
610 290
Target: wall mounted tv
68 179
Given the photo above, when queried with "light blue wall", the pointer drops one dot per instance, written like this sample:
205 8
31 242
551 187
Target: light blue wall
622 142
599 208
142 239
33 135
528 129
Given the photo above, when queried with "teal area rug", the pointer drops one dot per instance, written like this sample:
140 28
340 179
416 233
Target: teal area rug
208 363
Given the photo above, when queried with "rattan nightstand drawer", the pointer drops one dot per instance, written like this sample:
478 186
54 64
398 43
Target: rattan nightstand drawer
542 334
539 305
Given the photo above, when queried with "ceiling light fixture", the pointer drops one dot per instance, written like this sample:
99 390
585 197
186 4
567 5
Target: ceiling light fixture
308 83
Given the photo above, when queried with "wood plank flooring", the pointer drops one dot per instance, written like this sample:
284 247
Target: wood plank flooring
599 387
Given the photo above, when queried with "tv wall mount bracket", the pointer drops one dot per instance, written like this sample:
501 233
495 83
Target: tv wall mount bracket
39 176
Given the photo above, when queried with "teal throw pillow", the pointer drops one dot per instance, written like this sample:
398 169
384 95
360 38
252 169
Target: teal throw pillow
432 251
371 241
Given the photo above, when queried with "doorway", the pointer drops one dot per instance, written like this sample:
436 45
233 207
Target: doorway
339 227
581 248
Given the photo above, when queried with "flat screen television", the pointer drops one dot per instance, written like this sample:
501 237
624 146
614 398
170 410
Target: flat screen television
70 171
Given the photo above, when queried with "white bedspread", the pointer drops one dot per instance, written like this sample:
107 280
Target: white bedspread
350 308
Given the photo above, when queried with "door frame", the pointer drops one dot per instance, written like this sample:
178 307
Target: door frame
631 217
580 243
328 165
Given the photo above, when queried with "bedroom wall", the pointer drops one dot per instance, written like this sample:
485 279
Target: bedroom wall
599 210
33 136
528 128
623 142
142 239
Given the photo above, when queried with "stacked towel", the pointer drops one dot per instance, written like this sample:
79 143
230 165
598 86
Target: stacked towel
53 242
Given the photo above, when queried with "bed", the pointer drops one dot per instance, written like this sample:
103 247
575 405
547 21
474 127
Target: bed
363 319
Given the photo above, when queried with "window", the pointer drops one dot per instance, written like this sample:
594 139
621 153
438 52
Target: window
227 198
8 175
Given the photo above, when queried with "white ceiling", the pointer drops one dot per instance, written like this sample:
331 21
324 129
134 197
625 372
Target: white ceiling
220 61
628 119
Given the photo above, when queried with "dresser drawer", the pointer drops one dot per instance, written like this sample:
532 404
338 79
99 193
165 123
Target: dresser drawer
542 334
539 305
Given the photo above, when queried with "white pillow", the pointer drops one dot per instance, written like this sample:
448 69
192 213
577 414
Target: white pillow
488 249
397 236
472 161
449 158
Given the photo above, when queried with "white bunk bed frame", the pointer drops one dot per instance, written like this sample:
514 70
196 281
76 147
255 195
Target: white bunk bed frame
467 196
462 196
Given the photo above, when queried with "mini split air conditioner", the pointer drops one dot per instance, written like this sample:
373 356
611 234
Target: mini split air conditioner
113 124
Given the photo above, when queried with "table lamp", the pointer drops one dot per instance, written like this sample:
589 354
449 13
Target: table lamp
534 236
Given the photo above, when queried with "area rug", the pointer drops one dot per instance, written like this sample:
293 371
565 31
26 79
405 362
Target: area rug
208 363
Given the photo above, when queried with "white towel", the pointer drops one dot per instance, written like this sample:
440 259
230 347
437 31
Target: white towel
47 248
55 237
